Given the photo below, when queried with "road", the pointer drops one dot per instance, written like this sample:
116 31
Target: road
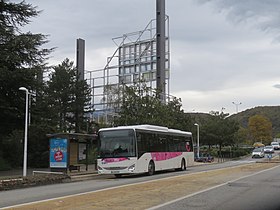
86 188
257 192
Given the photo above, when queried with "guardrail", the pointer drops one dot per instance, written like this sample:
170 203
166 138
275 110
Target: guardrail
47 172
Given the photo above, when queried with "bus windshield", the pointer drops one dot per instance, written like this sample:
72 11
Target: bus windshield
117 143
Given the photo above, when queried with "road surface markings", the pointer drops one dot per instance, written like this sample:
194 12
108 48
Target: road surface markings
137 195
210 188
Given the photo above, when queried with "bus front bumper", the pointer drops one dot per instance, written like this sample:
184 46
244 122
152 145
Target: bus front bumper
116 170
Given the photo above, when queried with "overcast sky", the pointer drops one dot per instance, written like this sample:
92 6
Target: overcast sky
222 51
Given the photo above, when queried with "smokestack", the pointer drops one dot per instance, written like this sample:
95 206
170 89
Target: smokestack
160 44
81 58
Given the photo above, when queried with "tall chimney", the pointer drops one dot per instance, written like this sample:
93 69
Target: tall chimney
160 44
81 58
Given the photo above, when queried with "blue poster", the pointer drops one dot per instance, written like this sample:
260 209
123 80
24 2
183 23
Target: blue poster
58 153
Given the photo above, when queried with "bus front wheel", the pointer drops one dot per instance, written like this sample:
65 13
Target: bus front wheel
151 168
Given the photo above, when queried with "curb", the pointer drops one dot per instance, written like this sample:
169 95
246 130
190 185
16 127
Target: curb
82 177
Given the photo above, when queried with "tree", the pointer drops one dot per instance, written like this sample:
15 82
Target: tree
139 105
81 104
277 135
22 62
218 129
260 129
176 117
243 135
68 98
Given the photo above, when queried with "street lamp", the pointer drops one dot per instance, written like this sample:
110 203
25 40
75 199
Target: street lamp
237 104
25 131
197 139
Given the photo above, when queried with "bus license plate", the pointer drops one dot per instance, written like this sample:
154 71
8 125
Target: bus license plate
115 172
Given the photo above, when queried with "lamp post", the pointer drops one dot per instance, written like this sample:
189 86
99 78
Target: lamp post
197 139
25 131
237 104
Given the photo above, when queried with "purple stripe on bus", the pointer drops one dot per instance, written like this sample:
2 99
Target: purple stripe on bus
112 160
158 156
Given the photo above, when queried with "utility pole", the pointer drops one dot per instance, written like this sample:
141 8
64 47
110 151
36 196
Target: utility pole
237 104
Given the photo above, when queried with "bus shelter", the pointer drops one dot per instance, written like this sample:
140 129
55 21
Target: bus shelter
70 151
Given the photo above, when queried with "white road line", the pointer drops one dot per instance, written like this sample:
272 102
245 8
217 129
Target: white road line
208 189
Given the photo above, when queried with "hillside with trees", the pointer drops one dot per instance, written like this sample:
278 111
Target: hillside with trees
259 124
270 112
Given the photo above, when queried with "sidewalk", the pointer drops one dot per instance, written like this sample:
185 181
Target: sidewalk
16 173
13 179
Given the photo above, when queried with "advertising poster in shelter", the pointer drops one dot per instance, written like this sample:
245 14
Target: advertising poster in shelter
58 153
82 151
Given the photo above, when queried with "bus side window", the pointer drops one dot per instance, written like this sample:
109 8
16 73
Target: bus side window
140 144
163 143
189 139
176 145
170 144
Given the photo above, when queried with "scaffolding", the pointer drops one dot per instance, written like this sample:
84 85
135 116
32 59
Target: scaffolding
133 60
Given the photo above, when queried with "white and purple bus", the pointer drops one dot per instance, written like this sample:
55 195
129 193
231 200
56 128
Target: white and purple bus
143 149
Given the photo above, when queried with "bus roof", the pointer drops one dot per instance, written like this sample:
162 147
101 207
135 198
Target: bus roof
148 128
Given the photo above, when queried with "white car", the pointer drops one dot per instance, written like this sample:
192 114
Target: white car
258 152
275 145
268 149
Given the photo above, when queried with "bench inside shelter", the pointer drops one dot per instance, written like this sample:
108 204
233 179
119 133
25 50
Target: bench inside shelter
74 168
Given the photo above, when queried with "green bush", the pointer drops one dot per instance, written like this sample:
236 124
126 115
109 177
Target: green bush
12 148
227 152
4 165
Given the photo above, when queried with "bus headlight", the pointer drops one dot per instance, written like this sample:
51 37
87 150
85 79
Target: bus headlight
99 168
131 168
